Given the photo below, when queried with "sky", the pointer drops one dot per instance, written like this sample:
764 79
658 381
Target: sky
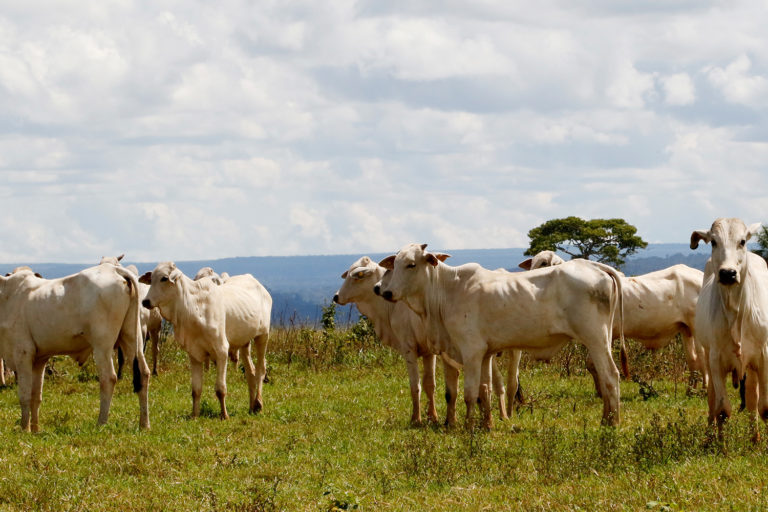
180 130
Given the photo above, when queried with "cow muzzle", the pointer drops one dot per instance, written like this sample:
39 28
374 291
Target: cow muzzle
728 276
146 304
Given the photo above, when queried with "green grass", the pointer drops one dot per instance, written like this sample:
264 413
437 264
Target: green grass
335 433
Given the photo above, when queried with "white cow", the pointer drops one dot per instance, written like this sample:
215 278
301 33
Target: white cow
400 328
213 321
657 306
541 259
732 317
208 272
480 312
76 315
3 368
151 321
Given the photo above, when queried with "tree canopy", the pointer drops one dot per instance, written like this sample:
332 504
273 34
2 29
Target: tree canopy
762 242
604 240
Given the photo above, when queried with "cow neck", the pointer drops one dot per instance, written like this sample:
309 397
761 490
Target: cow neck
186 311
379 312
738 304
439 279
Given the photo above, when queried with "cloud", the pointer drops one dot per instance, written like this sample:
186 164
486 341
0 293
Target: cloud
303 128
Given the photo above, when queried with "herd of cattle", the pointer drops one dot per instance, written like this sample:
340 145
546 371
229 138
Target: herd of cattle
421 307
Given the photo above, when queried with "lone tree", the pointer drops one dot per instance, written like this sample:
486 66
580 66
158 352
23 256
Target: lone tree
604 240
762 242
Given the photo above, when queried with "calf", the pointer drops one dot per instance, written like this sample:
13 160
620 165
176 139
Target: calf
213 321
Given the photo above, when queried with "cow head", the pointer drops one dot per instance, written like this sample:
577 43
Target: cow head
163 283
112 260
728 238
359 281
208 272
409 275
542 259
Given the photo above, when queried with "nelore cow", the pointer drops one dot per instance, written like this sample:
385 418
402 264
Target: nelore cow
732 318
657 306
400 328
479 312
541 259
214 322
151 321
75 315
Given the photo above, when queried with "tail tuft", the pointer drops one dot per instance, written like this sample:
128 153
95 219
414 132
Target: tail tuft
624 361
136 376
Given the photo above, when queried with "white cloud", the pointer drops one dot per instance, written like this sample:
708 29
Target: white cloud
293 128
678 89
738 85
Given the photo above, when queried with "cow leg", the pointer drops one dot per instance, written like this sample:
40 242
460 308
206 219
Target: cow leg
692 360
196 372
451 393
36 397
762 391
221 383
412 364
2 372
24 386
498 388
717 398
428 381
260 344
750 385
513 380
133 348
608 380
484 392
154 337
107 380
593 372
250 376
473 369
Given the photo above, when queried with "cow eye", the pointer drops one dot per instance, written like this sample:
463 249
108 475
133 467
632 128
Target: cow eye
360 275
164 279
714 244
410 265
743 243
544 264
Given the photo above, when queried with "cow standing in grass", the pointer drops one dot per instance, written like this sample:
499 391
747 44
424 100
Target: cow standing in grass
75 315
213 322
732 318
657 306
479 312
400 328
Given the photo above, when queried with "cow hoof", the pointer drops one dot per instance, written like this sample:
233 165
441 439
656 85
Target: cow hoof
257 407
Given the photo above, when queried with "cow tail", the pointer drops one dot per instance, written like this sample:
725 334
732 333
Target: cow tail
616 277
135 313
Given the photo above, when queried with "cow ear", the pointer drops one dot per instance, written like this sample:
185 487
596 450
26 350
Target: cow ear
699 235
345 274
434 259
146 278
38 275
174 275
526 265
423 246
753 229
388 262
121 257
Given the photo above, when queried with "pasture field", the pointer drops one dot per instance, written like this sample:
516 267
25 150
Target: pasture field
335 435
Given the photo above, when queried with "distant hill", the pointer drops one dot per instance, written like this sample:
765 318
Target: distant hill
302 285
